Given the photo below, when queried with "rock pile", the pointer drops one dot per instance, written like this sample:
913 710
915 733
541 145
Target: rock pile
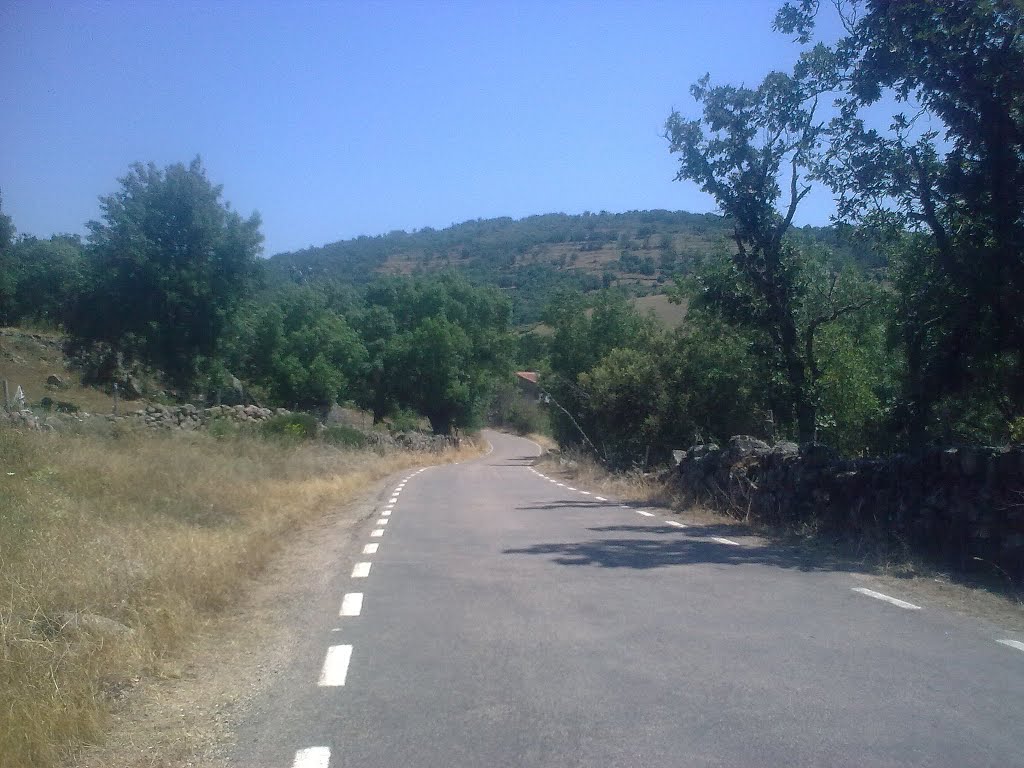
962 505
188 417
23 419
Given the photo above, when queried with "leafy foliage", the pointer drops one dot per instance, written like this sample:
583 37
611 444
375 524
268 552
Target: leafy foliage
167 267
737 152
434 346
297 352
950 170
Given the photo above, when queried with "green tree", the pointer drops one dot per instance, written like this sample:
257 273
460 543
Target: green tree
169 264
8 275
586 330
949 169
737 152
435 346
299 353
47 275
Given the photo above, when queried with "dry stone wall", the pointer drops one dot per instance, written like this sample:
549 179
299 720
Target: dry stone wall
189 417
961 506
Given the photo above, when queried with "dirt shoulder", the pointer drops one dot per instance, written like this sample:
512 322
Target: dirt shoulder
189 717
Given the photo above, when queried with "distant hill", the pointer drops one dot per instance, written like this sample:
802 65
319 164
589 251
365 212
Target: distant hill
535 256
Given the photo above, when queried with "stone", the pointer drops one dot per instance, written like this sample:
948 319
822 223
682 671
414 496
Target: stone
969 462
785 448
55 382
741 446
817 454
700 451
132 388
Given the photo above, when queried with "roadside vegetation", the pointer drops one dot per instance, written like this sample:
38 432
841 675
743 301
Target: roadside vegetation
896 330
115 549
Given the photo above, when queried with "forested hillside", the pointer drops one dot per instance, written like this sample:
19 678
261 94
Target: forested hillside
534 257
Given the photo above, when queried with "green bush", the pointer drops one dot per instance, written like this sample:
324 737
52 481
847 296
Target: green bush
299 426
527 417
405 421
346 436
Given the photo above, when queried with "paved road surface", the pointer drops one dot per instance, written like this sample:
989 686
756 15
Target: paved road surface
509 621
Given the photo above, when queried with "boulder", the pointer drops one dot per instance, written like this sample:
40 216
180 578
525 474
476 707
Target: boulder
742 446
785 448
817 454
55 382
702 450
132 388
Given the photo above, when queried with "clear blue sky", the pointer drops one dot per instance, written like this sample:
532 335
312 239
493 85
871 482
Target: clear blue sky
337 119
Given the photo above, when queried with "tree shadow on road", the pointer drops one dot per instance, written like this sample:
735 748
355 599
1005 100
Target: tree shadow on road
569 504
658 546
513 461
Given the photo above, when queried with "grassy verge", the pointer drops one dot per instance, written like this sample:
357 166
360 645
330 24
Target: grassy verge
112 549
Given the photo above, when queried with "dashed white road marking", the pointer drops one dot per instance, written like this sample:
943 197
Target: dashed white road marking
312 757
370 549
886 598
377 532
570 488
335 668
360 570
351 604
560 485
382 521
586 493
676 523
723 540
394 498
645 513
1012 644
601 498
386 513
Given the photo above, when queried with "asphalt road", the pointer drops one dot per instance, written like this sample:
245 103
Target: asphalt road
508 621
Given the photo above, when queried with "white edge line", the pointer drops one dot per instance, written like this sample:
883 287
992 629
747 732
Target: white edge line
382 521
351 604
335 668
386 513
644 513
1012 644
676 523
886 598
570 488
370 549
312 757
601 498
377 532
361 570
723 540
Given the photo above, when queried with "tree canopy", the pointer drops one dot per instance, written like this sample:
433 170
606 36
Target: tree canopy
168 265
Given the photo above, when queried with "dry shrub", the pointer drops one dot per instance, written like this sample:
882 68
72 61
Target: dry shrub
641 487
111 550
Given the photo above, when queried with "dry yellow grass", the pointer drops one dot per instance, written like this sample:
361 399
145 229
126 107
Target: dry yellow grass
112 549
28 357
